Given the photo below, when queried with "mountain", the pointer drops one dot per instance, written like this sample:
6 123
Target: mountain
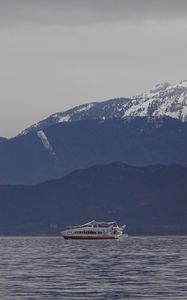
2 140
150 200
162 100
59 149
146 129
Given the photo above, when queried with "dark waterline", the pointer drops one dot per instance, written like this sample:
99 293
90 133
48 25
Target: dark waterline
51 268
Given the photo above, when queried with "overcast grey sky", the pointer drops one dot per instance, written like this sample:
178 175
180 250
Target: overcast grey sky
55 54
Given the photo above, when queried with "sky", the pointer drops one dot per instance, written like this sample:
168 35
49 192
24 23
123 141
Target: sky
56 54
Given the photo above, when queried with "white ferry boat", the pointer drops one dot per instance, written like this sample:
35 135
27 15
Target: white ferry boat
95 231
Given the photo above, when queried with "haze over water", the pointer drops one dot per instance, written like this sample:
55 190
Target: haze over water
51 268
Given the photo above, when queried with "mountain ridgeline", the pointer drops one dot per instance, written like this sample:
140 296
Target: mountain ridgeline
146 129
162 100
150 200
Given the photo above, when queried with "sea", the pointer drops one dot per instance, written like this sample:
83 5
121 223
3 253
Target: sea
42 268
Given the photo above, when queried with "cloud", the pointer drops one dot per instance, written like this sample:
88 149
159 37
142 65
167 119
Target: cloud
85 12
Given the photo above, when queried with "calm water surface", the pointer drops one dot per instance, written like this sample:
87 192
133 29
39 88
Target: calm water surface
51 268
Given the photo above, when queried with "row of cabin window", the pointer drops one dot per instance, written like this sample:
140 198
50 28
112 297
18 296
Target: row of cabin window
88 232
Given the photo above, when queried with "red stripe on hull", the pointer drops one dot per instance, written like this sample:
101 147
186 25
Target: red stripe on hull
88 238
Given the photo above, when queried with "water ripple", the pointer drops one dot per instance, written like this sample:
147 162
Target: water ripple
51 268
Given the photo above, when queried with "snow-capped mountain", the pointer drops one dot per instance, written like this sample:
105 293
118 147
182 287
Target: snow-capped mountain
162 100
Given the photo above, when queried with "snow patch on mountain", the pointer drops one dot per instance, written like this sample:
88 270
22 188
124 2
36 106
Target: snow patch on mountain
34 128
45 142
66 118
85 107
163 100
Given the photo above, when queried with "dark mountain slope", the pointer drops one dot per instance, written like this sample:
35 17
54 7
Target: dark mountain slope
150 200
2 140
62 148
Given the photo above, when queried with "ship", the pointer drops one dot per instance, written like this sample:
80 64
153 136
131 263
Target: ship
94 230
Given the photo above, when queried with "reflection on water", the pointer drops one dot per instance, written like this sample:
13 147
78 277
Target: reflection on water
51 268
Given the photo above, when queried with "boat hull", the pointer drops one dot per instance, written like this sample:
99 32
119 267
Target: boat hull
89 238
